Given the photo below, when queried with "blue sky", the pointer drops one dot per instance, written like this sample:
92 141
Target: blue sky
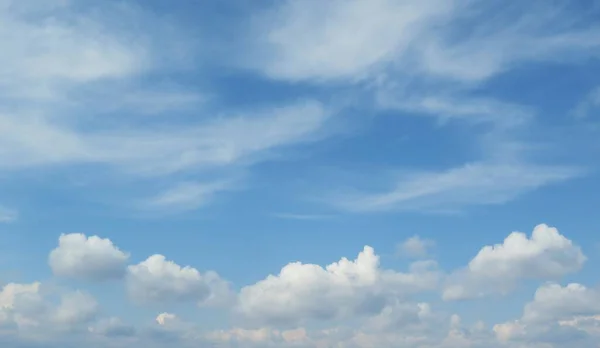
302 173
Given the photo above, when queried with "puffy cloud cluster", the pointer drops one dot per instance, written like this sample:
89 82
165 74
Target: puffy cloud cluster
340 290
569 313
155 279
553 302
159 280
547 255
28 307
76 308
112 327
90 258
349 303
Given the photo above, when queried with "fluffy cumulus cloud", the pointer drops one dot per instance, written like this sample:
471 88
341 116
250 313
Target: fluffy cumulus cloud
89 258
569 313
415 247
547 254
349 303
76 308
340 290
157 279
31 308
413 325
112 327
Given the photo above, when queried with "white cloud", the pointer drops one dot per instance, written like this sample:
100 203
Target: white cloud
74 92
90 258
159 280
70 93
22 305
31 316
553 302
342 39
112 327
342 289
160 101
419 77
12 291
348 303
187 195
76 308
415 65
46 49
8 215
385 37
407 325
451 105
400 325
215 143
296 216
165 318
401 315
546 255
589 105
414 246
494 47
456 188
31 310
260 336
569 313
71 56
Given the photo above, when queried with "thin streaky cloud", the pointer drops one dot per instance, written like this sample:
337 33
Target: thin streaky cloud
460 187
297 216
405 39
216 143
187 196
589 106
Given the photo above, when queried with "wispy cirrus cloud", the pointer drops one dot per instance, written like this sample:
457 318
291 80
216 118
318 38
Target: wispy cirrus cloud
75 86
588 105
456 188
298 216
415 247
432 58
296 42
216 142
74 91
187 196
79 55
48 49
363 39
